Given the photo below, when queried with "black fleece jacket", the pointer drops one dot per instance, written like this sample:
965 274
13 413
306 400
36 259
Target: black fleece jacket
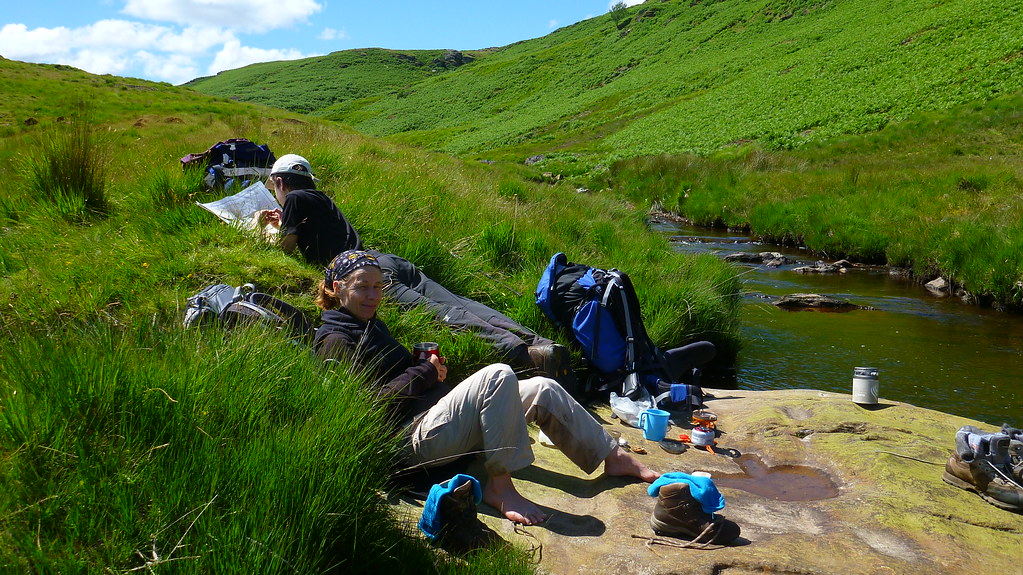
409 388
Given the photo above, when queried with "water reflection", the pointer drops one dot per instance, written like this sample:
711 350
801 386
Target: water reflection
932 352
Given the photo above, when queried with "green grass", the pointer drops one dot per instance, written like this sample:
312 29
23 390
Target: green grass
67 173
127 443
163 446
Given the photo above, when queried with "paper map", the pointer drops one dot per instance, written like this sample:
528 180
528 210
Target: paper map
239 208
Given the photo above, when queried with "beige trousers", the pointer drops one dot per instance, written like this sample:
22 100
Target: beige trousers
488 413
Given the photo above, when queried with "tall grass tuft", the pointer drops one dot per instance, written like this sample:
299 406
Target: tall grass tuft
68 169
140 451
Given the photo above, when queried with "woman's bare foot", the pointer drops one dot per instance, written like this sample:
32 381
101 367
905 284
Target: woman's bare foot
501 494
623 464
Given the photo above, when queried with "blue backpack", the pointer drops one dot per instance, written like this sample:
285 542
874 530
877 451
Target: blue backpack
601 310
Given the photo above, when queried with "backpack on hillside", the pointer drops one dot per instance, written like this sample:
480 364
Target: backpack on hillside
602 312
234 162
229 306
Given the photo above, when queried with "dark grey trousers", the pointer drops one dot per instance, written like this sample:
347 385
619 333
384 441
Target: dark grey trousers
410 287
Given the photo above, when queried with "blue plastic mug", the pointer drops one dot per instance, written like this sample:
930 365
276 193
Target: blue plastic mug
654 423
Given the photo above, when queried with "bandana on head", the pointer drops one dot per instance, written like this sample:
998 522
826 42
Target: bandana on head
347 262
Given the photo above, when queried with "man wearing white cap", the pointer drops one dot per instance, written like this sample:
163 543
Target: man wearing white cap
310 220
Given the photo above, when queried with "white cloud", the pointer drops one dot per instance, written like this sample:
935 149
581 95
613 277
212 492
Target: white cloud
84 48
627 3
234 55
332 34
173 68
552 24
97 61
17 41
248 15
194 40
20 43
121 47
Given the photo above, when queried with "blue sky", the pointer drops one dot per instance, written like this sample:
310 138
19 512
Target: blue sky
178 40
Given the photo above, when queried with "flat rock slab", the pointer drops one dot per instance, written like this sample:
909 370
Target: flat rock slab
886 509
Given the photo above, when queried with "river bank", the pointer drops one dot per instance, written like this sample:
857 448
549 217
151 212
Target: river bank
937 194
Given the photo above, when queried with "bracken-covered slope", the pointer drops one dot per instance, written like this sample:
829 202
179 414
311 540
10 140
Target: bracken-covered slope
677 76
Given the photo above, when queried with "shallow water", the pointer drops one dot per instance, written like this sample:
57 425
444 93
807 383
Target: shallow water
932 352
783 482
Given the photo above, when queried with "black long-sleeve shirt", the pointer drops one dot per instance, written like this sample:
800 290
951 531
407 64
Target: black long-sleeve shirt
321 228
410 388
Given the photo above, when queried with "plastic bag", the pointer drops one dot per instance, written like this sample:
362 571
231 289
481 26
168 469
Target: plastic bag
628 410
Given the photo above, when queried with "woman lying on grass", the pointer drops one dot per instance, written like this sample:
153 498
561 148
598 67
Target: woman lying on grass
487 412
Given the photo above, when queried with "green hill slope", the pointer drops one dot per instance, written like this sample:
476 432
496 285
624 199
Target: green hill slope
313 84
682 76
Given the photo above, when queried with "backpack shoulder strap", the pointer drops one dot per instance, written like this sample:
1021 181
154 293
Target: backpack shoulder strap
641 353
616 288
293 316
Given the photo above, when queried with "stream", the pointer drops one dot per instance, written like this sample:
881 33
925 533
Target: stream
933 352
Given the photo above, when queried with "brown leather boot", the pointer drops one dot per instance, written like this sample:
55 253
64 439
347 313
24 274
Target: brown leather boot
462 531
997 486
678 514
554 361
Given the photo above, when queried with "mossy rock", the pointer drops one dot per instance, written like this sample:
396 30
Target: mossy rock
890 511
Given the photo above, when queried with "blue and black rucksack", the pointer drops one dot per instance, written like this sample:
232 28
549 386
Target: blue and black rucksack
601 310
236 162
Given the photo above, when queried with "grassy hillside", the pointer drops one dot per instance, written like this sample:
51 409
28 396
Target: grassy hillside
682 76
312 84
128 444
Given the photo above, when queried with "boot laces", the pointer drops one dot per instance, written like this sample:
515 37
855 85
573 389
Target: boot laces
1011 480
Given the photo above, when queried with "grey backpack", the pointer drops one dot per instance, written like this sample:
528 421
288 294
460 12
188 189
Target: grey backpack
228 306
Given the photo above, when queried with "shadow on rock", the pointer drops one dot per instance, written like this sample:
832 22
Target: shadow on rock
575 486
560 522
875 406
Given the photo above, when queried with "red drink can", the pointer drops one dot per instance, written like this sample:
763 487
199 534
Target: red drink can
423 350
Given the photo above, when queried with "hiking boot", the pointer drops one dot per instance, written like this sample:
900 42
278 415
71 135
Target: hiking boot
1015 463
554 361
993 483
461 529
678 514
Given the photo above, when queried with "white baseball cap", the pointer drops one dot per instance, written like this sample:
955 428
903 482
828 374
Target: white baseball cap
292 164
